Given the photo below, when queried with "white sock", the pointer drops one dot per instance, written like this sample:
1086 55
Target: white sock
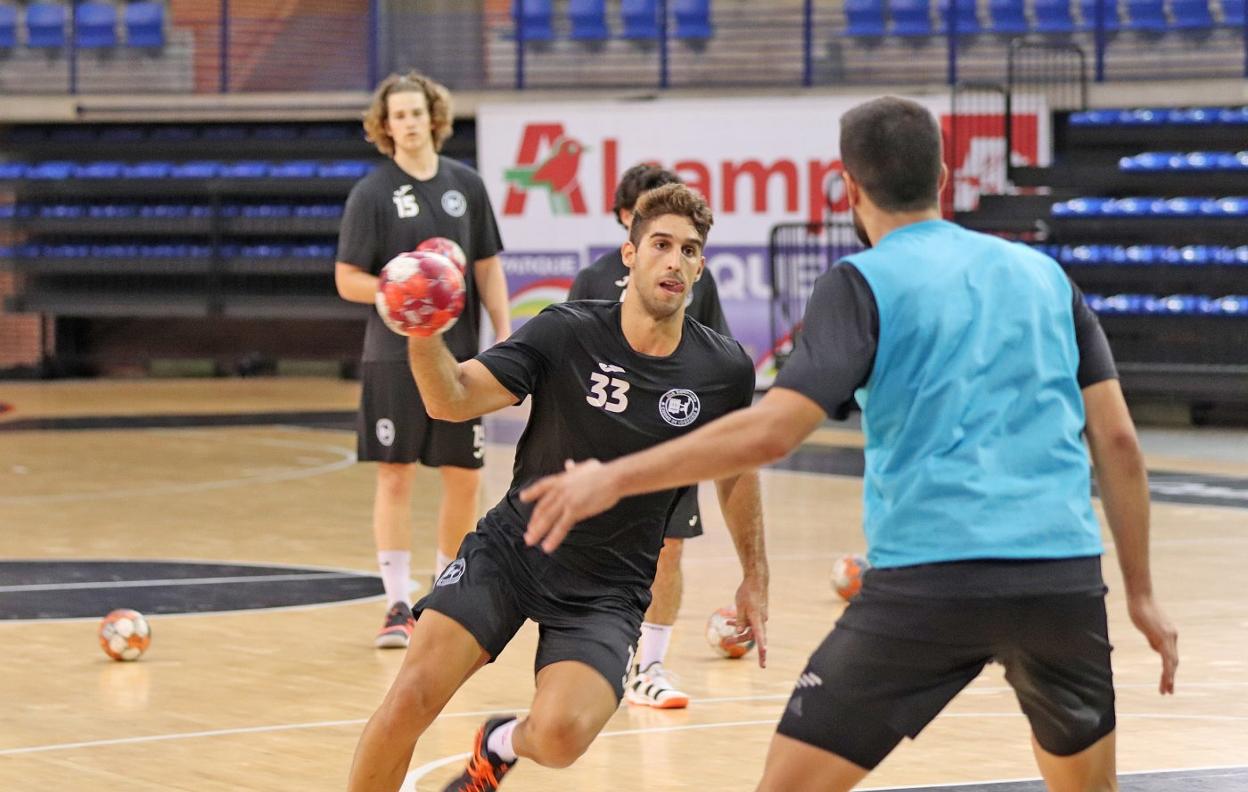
396 575
499 741
654 641
442 562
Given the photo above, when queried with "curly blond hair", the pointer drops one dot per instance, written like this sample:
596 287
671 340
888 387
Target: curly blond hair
436 95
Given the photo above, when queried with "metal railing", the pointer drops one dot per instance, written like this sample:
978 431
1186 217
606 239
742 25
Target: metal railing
237 46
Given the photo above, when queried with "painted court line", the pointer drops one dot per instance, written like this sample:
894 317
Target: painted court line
147 583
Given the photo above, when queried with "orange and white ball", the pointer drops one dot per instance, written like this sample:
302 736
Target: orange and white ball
125 634
847 572
722 636
420 293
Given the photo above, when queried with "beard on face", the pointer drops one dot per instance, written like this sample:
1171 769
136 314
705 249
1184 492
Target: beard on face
860 229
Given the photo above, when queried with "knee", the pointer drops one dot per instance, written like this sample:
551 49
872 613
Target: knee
413 702
395 480
560 739
461 482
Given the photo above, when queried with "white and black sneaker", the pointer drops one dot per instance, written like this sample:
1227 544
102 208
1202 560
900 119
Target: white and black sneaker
653 688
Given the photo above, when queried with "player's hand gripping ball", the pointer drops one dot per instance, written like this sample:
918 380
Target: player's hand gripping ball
722 636
125 634
420 293
447 247
847 574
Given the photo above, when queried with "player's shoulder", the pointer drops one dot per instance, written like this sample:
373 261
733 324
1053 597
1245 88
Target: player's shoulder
724 349
460 171
376 181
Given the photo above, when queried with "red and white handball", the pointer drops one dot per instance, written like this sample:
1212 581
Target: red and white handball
420 293
125 634
447 247
847 572
722 636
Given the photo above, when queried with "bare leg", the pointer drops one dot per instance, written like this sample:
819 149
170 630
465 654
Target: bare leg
441 657
392 506
457 514
668 584
792 764
572 704
1093 769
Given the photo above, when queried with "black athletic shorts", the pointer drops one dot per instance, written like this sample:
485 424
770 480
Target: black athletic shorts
685 521
496 583
892 663
393 426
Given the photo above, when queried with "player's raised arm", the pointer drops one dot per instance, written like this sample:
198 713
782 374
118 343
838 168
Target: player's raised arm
741 502
453 391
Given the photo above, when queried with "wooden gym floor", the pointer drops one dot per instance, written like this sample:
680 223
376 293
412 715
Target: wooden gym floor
261 472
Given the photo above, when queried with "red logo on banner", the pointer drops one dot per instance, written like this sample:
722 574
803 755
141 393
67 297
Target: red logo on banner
555 172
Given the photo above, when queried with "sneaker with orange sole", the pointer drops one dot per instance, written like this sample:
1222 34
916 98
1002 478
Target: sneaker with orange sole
485 770
396 631
652 687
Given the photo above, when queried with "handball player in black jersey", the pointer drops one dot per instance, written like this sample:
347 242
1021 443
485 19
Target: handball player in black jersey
607 378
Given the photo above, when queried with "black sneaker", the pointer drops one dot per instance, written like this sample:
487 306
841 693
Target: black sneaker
485 770
397 629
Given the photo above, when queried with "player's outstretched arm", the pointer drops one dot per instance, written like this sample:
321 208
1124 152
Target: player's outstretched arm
492 286
1123 483
741 502
738 442
354 284
453 391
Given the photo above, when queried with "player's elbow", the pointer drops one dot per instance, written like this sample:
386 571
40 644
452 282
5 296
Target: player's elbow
772 441
442 411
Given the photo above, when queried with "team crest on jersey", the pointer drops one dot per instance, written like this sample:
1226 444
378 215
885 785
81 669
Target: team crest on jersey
451 575
454 203
680 407
385 432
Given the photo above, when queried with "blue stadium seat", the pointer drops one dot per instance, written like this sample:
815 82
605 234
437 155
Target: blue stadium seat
911 17
343 169
113 211
1233 13
1007 17
864 18
266 211
533 19
1087 9
1053 16
1080 207
99 170
1149 161
641 19
968 18
588 19
95 25
693 19
12 170
1183 207
1193 116
45 25
1136 254
147 170
1191 15
1148 16
50 170
145 24
196 169
1233 115
1091 118
1234 206
293 169
246 169
8 26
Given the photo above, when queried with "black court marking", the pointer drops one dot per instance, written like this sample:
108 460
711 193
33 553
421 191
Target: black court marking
52 589
1165 486
1218 779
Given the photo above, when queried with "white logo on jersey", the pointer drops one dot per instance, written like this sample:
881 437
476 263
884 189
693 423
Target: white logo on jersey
454 203
680 407
385 431
478 441
808 680
405 202
608 368
452 573
693 521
